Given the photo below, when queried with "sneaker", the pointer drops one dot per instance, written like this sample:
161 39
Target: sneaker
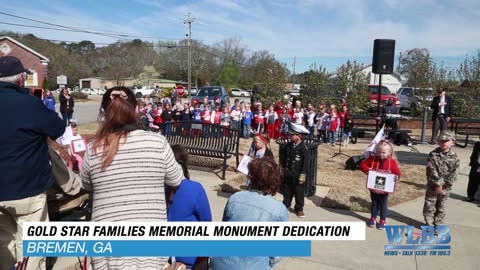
381 225
300 214
371 223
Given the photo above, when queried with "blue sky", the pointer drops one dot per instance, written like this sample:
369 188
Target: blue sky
327 32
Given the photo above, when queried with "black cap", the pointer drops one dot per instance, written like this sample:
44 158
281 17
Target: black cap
10 66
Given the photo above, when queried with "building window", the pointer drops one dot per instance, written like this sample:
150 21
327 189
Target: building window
32 79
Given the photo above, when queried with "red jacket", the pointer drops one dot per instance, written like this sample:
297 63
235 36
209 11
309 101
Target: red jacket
373 162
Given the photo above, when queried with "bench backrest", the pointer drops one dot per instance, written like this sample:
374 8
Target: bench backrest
202 137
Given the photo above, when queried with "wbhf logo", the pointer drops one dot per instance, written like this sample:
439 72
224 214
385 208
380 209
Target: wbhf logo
420 245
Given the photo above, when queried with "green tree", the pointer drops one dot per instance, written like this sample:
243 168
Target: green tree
469 75
352 83
83 47
229 75
45 83
418 66
316 85
271 81
149 73
467 99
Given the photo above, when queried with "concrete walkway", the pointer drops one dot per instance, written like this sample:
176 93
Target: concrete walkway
463 218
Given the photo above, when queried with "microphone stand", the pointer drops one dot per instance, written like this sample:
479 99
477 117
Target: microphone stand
339 153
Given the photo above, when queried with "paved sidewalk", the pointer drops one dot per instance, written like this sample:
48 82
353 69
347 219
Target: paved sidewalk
463 218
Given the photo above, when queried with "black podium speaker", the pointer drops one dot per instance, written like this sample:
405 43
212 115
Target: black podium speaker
383 56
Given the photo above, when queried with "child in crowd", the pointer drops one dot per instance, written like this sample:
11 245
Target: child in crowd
333 126
322 125
75 162
186 118
285 120
310 120
442 171
247 121
197 118
226 119
271 117
206 120
167 116
157 114
347 130
298 116
259 118
149 113
236 115
49 100
382 161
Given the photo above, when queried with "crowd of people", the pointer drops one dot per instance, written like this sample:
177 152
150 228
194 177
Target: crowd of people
326 124
135 175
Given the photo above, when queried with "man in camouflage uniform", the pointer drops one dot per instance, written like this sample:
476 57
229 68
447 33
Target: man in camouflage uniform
294 161
442 170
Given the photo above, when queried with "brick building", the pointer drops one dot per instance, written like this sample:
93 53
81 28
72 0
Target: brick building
32 60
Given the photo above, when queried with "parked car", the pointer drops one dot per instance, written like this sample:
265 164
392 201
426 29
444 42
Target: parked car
88 91
142 92
385 94
412 98
237 92
193 90
215 94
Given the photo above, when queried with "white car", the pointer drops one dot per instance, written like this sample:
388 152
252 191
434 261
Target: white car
237 92
193 91
88 91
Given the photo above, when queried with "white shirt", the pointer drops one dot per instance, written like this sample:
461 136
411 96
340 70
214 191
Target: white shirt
442 107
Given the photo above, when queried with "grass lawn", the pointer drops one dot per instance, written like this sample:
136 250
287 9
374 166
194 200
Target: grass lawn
347 188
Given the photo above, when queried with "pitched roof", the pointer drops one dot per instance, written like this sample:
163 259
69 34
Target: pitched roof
41 56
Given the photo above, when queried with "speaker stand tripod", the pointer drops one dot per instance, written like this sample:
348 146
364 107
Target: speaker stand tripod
339 153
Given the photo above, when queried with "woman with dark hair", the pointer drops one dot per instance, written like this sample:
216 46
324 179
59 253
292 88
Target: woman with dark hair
66 105
255 204
126 168
188 201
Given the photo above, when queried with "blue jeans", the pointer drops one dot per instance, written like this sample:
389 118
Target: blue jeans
379 203
331 136
67 116
246 130
168 127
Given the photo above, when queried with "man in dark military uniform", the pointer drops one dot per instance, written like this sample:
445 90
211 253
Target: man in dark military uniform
294 162
442 170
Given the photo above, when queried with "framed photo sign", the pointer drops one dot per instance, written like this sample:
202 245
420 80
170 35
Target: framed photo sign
243 166
78 146
381 181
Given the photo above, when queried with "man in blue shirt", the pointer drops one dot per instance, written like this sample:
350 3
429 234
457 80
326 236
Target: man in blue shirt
24 162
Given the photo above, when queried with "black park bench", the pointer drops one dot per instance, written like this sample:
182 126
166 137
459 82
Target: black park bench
466 127
362 124
201 139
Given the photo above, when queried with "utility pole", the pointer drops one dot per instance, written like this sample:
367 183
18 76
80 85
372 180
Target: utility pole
189 20
294 59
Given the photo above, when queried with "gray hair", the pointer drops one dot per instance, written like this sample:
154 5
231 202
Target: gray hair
11 79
